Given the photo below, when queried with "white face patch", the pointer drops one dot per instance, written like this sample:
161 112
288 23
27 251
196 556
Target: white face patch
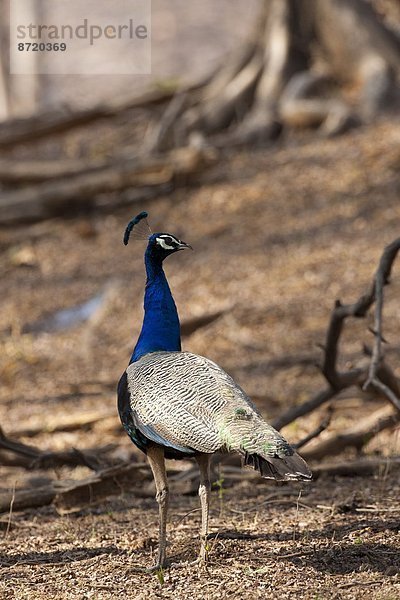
160 240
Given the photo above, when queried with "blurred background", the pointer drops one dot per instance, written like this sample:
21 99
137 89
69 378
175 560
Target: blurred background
267 137
282 224
178 34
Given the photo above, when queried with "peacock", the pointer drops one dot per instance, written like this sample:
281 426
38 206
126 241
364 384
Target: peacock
177 405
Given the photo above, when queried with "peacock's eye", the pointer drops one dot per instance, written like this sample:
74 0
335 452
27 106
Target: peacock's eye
167 242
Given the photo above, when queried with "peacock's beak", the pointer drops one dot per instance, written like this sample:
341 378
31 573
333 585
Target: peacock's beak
184 246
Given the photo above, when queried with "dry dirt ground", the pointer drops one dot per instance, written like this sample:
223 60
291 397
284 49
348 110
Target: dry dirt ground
279 234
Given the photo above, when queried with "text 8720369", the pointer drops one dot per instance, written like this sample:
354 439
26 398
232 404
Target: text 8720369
41 47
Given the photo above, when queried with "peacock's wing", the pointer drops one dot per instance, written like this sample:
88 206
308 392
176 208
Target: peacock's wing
189 402
174 400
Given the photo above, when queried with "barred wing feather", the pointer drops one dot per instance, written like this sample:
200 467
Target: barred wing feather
193 405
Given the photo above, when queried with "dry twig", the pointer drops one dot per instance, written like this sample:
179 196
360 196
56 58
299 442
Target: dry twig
363 467
72 495
14 453
381 279
337 380
321 427
354 437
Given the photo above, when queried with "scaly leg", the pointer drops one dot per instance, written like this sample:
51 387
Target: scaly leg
203 461
155 455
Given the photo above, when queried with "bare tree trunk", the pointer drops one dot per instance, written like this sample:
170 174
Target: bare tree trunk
295 70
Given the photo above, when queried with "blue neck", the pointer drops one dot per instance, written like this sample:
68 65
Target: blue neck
161 327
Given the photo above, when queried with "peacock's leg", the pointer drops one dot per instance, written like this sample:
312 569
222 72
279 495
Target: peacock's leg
203 461
155 455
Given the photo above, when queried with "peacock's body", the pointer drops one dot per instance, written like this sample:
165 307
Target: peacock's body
175 404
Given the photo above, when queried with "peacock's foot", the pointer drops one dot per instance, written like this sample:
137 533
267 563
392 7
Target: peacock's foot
158 568
153 569
201 562
203 558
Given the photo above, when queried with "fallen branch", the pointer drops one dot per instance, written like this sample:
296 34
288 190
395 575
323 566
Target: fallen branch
71 496
17 454
53 197
361 467
74 495
36 171
17 131
354 437
66 423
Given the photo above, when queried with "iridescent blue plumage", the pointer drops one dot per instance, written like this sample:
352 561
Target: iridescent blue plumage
161 328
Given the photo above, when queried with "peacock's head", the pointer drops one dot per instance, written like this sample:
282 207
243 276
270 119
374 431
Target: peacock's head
160 245
164 244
